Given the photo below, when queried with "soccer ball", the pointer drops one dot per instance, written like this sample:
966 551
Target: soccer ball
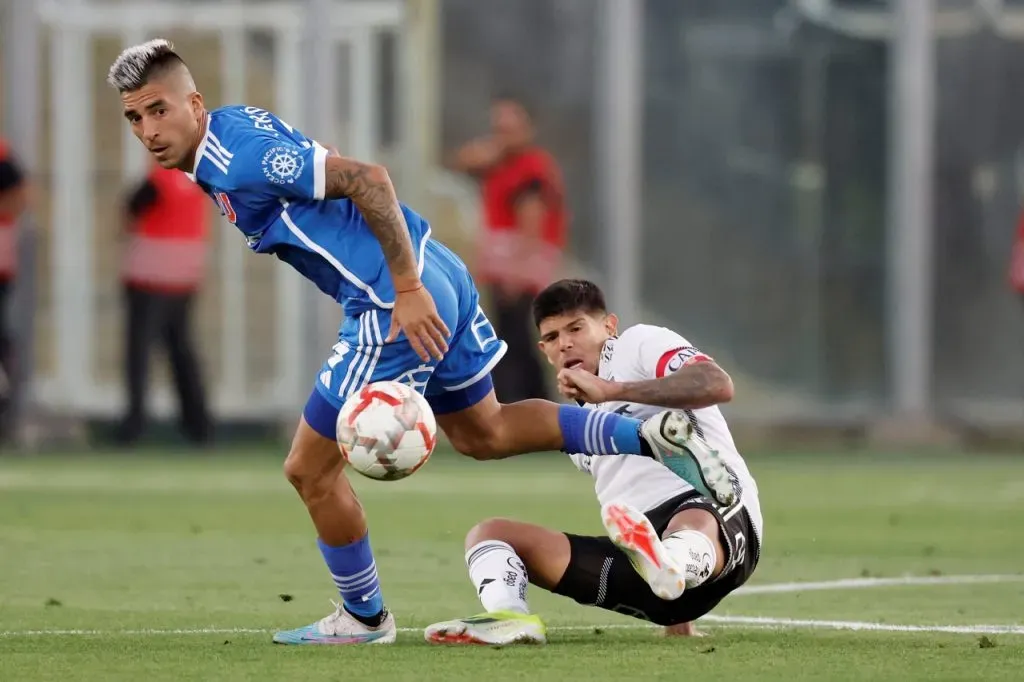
386 431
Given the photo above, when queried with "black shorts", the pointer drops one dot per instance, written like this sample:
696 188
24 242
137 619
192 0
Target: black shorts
600 574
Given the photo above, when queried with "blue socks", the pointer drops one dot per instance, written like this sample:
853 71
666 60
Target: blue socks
592 432
355 573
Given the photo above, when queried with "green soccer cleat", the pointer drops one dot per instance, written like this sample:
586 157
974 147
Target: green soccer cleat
496 629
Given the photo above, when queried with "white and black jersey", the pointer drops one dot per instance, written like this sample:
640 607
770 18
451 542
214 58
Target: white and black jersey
641 353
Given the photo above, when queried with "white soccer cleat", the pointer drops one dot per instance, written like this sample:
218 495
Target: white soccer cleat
673 442
633 533
340 628
499 628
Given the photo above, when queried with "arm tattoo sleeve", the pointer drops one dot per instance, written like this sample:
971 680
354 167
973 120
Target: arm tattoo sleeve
695 386
370 188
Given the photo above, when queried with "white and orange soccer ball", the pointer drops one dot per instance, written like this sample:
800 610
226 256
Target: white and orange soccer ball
386 431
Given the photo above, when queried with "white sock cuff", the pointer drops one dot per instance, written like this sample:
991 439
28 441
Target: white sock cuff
477 551
696 552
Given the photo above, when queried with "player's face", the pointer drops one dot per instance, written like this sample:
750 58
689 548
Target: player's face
574 340
166 119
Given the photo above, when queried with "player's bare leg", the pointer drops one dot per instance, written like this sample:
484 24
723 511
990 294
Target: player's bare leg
688 554
502 556
545 552
315 468
492 548
491 430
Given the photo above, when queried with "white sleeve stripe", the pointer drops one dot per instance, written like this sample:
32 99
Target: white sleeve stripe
319 171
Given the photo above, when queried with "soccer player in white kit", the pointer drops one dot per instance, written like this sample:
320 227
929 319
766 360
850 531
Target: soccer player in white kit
671 554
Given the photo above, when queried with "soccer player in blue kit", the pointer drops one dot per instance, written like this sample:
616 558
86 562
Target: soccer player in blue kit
411 315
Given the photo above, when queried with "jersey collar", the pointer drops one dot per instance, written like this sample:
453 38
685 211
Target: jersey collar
201 149
606 354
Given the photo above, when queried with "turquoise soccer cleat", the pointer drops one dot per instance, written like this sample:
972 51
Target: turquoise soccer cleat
674 443
340 628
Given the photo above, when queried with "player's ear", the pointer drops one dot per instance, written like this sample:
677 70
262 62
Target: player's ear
540 346
195 100
611 324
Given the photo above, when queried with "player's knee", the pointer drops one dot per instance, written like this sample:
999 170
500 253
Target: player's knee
478 449
309 473
479 443
294 470
501 530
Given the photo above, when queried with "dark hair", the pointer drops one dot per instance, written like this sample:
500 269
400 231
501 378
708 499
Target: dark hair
567 296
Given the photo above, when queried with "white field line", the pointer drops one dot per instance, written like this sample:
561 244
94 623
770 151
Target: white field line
724 621
781 623
727 621
861 583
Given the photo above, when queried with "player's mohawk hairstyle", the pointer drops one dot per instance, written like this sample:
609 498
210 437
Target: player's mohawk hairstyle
137 64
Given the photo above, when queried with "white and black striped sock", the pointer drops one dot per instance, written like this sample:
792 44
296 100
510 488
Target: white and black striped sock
499 576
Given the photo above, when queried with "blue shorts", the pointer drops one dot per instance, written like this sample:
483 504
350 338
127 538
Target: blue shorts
460 380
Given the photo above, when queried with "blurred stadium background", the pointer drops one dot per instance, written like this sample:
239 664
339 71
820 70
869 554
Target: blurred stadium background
819 192
823 194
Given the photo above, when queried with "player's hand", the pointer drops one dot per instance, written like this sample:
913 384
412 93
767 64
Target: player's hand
416 315
580 384
683 630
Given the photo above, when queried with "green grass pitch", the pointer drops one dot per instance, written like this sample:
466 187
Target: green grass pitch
178 567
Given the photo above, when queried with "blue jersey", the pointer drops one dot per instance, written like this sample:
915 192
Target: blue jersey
268 179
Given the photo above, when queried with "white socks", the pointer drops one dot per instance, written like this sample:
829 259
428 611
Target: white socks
695 552
499 576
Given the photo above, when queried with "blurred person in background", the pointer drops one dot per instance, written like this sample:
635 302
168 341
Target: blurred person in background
1017 259
164 263
525 222
13 202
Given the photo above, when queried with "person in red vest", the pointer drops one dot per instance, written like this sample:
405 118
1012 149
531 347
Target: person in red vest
13 202
524 235
162 271
1017 259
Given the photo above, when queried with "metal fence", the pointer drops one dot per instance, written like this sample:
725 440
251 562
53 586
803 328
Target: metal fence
259 325
822 194
773 134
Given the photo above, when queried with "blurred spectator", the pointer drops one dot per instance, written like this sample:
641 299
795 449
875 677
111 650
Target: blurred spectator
13 201
167 221
524 234
1017 259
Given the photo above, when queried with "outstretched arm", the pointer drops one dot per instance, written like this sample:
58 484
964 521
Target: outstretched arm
475 156
701 384
369 186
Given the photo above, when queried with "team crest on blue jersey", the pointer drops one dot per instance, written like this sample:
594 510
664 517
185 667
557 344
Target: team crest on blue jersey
282 164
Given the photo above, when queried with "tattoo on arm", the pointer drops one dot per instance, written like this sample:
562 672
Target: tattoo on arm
702 384
370 188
